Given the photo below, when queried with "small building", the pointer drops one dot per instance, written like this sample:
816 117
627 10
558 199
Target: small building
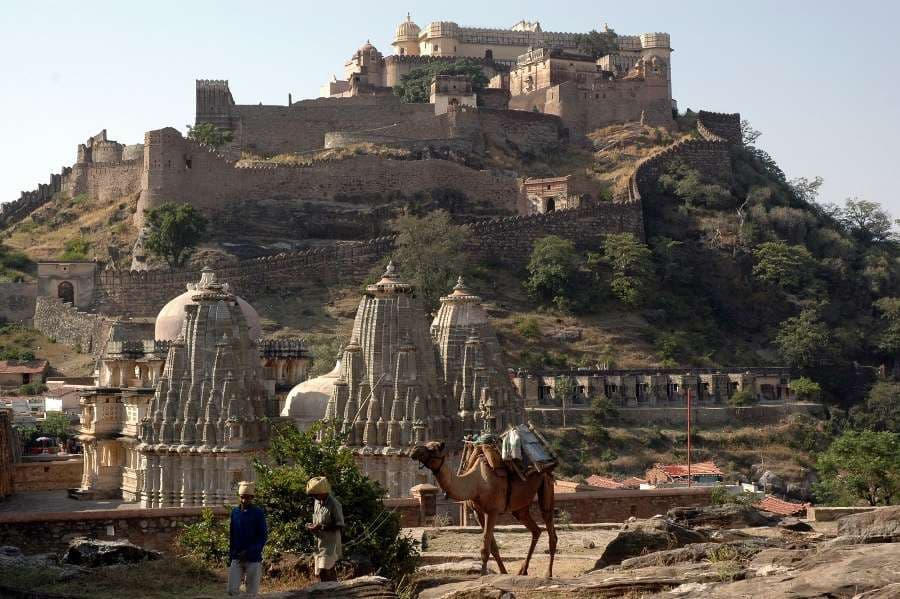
71 281
65 398
774 505
550 194
449 92
603 482
15 373
676 475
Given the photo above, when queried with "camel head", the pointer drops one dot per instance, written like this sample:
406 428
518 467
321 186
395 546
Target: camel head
430 455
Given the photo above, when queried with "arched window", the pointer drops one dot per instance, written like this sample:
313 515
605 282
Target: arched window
66 292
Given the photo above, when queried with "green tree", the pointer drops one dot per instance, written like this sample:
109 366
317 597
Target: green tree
209 135
804 340
632 267
55 424
75 249
551 269
431 253
788 267
415 86
889 339
174 230
881 411
742 397
805 388
596 44
861 465
603 412
371 530
867 221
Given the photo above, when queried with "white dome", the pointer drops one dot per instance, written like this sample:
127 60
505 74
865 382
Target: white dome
170 319
307 401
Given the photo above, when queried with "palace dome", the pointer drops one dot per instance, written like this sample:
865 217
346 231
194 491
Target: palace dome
365 48
170 319
306 402
407 31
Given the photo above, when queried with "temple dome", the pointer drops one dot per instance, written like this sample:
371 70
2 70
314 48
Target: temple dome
170 319
407 31
365 48
306 402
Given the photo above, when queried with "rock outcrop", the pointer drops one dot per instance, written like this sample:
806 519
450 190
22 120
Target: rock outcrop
92 553
640 536
719 516
881 525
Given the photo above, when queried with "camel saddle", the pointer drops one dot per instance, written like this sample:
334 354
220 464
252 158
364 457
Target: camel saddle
484 448
529 452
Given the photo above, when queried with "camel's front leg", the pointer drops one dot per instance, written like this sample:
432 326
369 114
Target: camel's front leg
487 543
495 551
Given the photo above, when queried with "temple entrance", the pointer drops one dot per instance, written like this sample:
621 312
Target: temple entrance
66 292
551 205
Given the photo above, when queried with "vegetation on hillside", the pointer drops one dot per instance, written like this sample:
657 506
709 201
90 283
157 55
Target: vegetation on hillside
209 134
415 86
173 231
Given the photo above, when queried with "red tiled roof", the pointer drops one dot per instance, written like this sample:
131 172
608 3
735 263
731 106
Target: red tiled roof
682 470
772 504
20 367
603 482
633 482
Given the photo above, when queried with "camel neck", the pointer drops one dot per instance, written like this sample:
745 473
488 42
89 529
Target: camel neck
458 487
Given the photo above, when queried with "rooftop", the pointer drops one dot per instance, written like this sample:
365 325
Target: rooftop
595 480
700 468
770 503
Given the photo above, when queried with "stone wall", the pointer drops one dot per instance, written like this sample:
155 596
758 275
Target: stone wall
182 171
756 415
29 201
52 475
17 301
35 532
711 155
67 324
107 182
508 240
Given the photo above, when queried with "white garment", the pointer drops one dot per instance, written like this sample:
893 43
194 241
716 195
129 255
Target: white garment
511 448
251 572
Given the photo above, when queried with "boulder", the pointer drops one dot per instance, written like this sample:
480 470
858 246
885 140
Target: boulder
364 587
794 524
881 525
93 553
731 515
772 483
642 536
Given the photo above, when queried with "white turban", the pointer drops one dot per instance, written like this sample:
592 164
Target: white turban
246 488
318 485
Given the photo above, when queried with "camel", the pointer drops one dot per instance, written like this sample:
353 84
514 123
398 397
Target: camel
490 496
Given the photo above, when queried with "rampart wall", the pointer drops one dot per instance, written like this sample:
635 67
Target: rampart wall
17 301
508 240
710 155
29 201
67 324
56 475
106 181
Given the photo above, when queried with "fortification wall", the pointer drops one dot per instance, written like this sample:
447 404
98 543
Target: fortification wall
56 475
106 182
527 131
183 171
17 301
67 324
302 126
507 240
29 201
710 155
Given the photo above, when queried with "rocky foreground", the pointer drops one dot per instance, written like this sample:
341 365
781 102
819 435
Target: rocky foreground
728 552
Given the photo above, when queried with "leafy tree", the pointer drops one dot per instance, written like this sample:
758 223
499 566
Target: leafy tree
881 412
75 249
431 253
371 530
689 185
742 397
174 231
749 135
209 134
415 86
861 465
805 388
866 221
632 267
551 269
55 424
889 339
804 340
603 412
788 267
596 44
806 189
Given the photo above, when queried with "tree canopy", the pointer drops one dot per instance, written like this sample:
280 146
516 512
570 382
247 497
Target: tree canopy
597 44
632 267
209 134
861 465
174 230
551 269
415 86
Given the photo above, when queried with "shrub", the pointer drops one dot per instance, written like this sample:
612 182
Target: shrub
75 249
206 540
806 388
742 397
528 327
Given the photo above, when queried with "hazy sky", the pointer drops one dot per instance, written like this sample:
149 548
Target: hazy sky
819 79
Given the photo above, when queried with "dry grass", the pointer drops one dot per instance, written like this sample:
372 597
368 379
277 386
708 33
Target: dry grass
107 226
330 155
63 359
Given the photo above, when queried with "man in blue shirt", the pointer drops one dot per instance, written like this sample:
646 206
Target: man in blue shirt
247 536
